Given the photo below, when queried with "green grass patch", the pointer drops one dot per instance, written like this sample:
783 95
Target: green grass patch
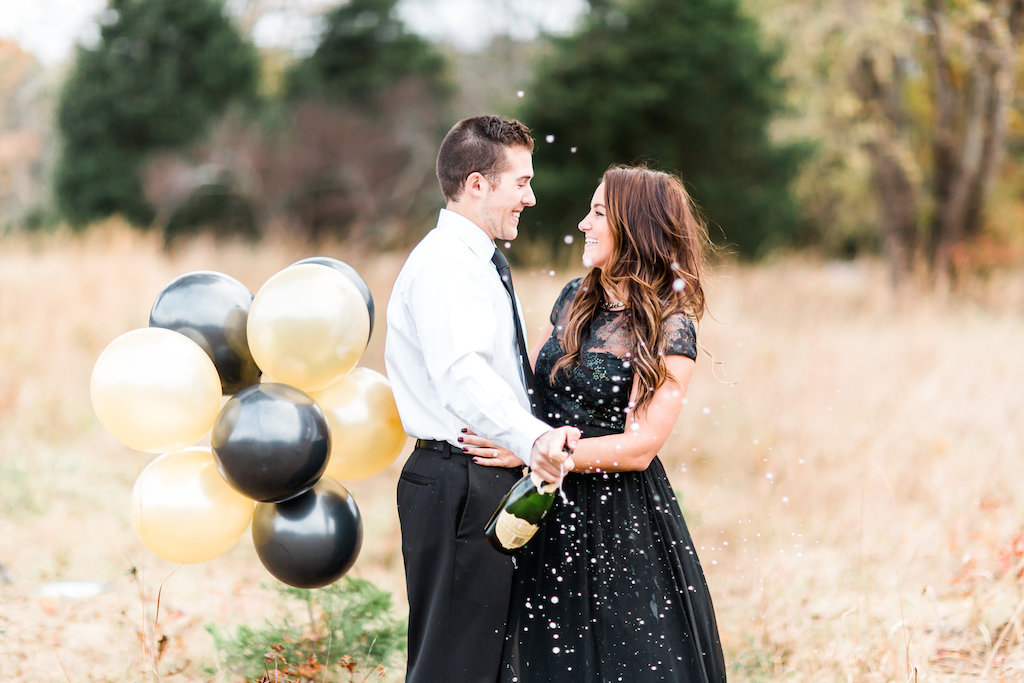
346 632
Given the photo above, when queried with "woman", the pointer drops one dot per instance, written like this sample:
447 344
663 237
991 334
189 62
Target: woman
611 589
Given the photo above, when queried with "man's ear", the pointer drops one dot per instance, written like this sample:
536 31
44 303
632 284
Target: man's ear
475 184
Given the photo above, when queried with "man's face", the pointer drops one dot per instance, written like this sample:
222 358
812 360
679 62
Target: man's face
506 199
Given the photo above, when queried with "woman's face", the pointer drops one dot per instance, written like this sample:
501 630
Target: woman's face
597 244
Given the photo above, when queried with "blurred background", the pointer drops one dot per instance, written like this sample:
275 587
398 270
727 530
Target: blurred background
849 452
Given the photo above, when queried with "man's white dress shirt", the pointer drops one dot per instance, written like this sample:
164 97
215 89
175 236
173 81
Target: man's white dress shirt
451 352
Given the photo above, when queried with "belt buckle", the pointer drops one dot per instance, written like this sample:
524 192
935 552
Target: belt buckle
438 446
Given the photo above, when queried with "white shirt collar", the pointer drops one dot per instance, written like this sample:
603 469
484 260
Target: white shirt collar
467 231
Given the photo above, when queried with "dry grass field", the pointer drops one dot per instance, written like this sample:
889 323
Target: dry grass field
850 467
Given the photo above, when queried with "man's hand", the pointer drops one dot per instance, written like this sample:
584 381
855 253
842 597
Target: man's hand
549 458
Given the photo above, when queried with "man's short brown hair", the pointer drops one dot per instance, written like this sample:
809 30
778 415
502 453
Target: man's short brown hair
477 145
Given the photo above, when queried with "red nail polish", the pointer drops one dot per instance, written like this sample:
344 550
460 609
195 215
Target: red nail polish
465 430
460 439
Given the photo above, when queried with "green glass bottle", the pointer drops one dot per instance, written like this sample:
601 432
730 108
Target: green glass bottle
519 514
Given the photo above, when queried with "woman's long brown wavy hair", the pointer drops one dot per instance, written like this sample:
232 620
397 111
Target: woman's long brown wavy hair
657 258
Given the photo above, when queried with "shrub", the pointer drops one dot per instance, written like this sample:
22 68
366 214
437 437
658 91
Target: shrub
348 631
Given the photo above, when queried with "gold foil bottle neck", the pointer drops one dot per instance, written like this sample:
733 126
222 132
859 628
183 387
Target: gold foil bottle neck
541 485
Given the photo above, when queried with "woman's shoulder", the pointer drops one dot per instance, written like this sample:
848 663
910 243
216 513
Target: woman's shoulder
570 290
566 296
680 335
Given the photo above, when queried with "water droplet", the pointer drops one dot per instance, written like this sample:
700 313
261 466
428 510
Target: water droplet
706 410
572 150
568 239
549 138
520 93
679 284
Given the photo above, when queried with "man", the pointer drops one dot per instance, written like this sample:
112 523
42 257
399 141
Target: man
454 362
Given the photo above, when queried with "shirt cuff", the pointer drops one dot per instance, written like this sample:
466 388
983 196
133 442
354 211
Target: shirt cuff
531 431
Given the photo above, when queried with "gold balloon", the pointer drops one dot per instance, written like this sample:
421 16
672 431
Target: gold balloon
366 432
184 511
155 390
307 325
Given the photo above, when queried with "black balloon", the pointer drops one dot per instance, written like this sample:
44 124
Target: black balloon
312 539
211 309
271 442
353 275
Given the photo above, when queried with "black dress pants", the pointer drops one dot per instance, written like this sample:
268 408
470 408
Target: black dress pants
458 586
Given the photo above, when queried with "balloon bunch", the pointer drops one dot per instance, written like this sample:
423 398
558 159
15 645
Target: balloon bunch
300 416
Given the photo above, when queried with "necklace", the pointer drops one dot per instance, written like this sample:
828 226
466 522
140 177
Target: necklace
613 305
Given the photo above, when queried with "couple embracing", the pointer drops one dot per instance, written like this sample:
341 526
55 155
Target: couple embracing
610 588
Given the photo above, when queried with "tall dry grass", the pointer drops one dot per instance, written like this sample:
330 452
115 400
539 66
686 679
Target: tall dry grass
848 465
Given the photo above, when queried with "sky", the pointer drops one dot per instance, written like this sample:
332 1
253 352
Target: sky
51 28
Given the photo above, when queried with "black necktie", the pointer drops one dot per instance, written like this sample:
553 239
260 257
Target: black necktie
501 263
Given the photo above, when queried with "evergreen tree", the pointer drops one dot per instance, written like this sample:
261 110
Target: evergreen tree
367 109
161 71
363 51
685 86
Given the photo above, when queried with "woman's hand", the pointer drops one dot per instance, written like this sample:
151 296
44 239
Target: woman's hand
487 453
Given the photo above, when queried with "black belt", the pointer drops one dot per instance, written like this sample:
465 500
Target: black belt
442 447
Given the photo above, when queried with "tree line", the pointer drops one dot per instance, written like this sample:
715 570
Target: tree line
885 126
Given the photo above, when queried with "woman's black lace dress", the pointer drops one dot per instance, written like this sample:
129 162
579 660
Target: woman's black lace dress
610 588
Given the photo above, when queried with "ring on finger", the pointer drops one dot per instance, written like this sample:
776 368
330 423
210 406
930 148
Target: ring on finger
494 452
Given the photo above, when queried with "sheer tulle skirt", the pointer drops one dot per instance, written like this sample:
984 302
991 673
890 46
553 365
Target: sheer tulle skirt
611 589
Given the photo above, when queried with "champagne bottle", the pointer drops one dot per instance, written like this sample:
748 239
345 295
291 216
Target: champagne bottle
519 514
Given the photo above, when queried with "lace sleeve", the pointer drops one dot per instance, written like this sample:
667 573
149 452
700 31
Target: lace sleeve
565 298
680 336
